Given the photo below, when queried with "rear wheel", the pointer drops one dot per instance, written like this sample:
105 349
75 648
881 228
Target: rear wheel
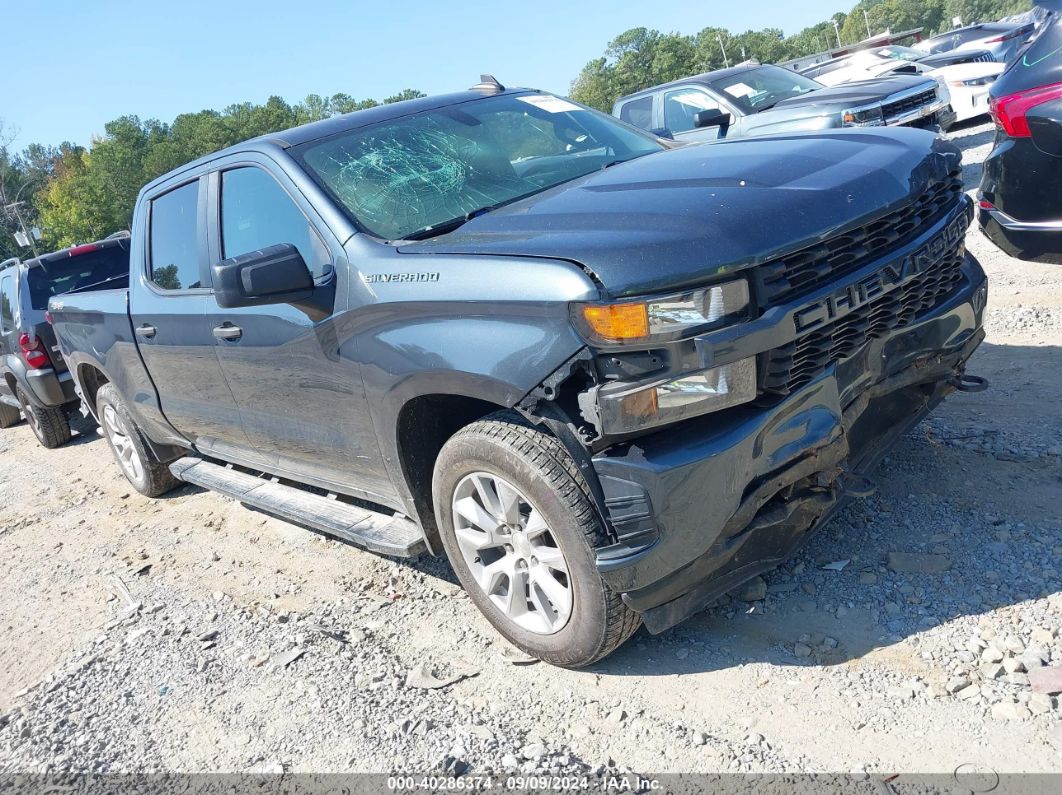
519 528
51 426
9 415
147 475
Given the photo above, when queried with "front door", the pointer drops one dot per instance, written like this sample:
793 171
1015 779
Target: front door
293 376
168 307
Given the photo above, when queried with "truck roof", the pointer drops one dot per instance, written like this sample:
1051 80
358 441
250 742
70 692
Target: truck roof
304 133
704 77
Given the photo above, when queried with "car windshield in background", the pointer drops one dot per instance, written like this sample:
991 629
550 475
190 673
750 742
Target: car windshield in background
421 175
72 273
764 87
899 53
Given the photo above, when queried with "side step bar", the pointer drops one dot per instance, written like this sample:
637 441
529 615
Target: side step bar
377 532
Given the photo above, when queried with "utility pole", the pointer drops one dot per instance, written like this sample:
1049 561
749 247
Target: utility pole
867 20
726 61
837 30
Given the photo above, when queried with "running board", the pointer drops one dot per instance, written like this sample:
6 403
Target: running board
377 532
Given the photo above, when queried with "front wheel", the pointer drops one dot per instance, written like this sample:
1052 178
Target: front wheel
519 527
145 472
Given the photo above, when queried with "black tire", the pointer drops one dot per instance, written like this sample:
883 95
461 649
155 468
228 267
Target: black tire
538 465
154 477
51 426
9 415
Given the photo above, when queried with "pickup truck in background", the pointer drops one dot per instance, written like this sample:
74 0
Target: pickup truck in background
34 380
503 327
763 99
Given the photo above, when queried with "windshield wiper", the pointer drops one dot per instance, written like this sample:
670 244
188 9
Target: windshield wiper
443 227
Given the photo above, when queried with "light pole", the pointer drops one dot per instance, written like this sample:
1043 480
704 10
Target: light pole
867 20
837 30
13 208
26 233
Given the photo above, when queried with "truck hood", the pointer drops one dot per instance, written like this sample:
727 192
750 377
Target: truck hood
856 93
673 219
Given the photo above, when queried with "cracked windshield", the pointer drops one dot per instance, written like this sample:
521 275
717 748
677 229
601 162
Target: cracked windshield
425 174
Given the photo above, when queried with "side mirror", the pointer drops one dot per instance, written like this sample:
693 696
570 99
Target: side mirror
711 118
272 275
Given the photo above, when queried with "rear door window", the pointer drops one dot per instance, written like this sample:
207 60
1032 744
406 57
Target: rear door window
256 213
638 112
89 269
174 239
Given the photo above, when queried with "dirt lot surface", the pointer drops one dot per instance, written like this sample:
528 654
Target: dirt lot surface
246 644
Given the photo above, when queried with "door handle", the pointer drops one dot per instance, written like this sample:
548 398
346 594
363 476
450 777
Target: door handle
228 332
146 331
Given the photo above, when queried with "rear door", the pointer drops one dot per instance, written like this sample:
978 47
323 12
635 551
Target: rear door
294 377
168 306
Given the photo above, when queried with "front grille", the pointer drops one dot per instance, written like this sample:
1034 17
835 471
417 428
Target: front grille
985 57
803 271
795 364
891 110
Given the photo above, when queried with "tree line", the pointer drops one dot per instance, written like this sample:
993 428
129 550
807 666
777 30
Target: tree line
77 194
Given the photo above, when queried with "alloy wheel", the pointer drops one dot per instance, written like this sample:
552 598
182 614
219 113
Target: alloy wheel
121 440
512 553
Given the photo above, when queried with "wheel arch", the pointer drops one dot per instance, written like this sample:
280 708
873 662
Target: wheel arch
423 425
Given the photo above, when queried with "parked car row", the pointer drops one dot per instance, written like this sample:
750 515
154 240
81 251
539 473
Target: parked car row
502 327
965 61
761 99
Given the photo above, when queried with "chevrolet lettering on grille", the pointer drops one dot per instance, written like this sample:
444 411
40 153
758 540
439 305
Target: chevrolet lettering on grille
855 295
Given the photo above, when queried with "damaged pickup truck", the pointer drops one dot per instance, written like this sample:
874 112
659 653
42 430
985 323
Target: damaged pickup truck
609 378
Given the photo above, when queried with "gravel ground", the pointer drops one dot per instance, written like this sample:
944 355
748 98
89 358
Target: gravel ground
191 634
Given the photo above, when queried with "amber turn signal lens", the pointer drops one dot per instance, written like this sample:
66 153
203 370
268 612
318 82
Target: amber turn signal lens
617 321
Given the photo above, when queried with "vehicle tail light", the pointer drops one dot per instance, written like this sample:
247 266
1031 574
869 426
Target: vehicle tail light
88 248
985 204
1009 111
33 351
48 318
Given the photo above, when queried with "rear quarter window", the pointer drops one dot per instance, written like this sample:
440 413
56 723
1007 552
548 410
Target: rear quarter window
638 112
75 273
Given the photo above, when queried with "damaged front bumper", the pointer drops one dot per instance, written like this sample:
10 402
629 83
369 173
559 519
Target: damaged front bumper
701 507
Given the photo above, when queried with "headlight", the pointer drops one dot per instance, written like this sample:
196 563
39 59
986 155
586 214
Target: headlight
869 116
975 81
671 401
663 318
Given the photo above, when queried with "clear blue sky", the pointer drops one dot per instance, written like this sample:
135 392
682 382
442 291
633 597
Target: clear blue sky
74 65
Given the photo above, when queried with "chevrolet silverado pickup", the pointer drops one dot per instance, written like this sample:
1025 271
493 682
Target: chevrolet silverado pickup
573 358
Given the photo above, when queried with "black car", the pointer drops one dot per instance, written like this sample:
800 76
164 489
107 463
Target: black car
1020 202
34 380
